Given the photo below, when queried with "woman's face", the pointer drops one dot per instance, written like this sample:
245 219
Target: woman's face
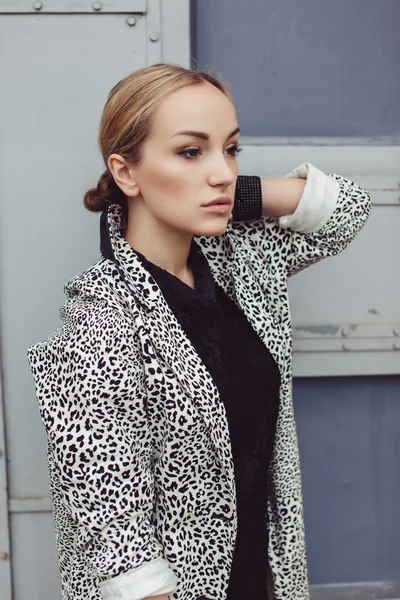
190 160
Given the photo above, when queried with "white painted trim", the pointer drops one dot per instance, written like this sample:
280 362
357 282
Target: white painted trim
352 340
320 141
348 331
335 364
375 167
386 197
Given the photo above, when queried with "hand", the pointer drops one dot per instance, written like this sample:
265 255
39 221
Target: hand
162 597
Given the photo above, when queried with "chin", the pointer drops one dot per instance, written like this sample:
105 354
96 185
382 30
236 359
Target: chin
212 229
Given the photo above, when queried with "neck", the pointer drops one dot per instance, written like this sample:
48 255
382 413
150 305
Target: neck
160 243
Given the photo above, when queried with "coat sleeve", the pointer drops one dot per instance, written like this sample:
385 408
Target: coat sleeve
91 395
331 212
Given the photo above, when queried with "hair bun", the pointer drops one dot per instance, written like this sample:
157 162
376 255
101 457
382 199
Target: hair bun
104 195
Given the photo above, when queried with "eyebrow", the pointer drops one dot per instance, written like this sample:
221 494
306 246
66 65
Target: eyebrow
204 136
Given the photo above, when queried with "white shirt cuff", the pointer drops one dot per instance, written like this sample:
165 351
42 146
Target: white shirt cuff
151 579
317 203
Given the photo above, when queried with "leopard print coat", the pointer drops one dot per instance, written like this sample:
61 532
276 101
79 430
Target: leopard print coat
140 462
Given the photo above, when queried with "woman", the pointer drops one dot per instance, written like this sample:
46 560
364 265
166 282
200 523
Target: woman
166 394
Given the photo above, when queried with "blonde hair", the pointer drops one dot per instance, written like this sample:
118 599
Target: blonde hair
126 120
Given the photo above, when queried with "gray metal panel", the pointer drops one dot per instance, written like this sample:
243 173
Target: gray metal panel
50 106
345 310
365 272
349 436
55 74
49 112
311 68
35 568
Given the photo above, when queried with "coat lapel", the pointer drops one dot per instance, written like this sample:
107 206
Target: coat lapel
173 348
162 336
235 273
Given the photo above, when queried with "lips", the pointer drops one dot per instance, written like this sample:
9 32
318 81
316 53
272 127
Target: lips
225 200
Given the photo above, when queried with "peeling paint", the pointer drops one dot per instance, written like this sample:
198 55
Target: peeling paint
319 329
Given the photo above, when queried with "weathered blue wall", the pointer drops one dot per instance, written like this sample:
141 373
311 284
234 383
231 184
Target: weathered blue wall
332 69
349 436
311 68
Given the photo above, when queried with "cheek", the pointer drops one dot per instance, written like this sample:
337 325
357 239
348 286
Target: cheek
168 176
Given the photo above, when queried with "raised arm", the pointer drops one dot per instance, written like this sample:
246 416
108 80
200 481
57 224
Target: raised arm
92 405
308 215
281 196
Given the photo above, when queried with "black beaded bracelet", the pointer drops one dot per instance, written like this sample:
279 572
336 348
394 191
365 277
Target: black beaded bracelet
248 199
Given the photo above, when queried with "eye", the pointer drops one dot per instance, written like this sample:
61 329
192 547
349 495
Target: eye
190 153
234 150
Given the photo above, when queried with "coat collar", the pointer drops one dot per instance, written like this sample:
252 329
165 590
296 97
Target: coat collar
231 263
114 247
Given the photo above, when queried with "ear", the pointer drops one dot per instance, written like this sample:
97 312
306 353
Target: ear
124 175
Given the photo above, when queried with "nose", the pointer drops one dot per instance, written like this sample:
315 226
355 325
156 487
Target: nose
223 170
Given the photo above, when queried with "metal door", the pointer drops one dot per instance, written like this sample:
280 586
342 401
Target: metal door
58 60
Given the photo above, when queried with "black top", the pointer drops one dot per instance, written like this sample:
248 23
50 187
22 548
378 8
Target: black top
248 380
